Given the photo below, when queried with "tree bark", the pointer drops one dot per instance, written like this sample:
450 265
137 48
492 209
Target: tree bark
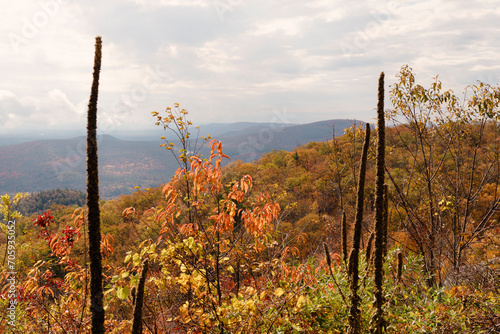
353 266
378 323
96 288
137 324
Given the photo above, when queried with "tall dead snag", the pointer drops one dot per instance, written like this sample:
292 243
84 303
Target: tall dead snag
386 217
96 289
368 250
343 232
377 323
137 324
353 267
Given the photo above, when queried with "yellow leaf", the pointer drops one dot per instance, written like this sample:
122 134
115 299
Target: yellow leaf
250 305
300 301
122 292
136 260
278 292
183 279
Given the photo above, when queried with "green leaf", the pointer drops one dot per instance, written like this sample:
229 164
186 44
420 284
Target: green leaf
136 260
134 279
122 292
189 242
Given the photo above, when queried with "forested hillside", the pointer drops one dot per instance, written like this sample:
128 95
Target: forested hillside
44 200
124 164
391 230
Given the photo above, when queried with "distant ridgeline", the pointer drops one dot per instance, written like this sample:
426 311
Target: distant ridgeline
37 203
124 164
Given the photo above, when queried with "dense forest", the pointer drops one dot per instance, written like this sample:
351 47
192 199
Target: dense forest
44 200
383 229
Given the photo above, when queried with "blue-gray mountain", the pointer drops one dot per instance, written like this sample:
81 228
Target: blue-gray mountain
123 164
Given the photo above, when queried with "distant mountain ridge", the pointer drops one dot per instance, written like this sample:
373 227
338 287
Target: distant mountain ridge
123 164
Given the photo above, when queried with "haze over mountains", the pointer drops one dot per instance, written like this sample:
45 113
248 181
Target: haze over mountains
132 159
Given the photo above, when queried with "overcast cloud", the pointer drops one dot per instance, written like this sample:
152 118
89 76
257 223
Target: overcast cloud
231 60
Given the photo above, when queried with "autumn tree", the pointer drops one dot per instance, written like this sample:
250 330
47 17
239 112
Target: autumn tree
450 164
221 268
8 210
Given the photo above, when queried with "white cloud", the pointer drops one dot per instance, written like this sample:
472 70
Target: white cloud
302 84
331 11
289 26
51 110
319 58
217 56
172 3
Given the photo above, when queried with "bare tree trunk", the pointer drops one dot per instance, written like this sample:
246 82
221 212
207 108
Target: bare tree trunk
343 232
353 267
137 324
378 323
96 289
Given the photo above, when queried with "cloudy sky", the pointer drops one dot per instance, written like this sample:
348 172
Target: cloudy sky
231 60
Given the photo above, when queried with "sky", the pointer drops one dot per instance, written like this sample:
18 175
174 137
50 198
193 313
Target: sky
292 61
